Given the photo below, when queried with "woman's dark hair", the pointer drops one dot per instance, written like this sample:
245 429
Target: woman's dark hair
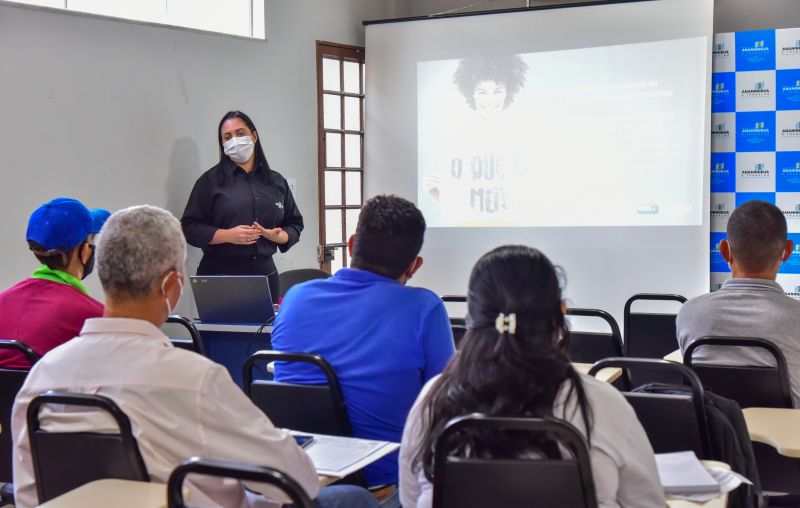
505 374
250 125
508 70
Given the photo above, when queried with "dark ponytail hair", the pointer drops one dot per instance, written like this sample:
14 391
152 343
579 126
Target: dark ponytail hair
504 373
250 125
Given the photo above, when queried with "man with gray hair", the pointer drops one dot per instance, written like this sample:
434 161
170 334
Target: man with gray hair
180 403
750 303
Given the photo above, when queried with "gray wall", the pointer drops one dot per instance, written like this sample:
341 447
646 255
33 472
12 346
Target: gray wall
117 113
740 15
729 15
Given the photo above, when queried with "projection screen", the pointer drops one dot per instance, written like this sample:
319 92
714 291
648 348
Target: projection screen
579 130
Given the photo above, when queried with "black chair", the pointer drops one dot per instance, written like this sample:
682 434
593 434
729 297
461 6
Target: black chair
513 482
290 278
589 347
651 335
243 472
673 422
457 324
753 386
318 409
11 381
63 461
195 341
749 386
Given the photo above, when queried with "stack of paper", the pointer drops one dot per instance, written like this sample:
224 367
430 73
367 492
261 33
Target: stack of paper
682 474
341 456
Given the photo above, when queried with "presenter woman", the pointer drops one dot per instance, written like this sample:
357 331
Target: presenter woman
241 211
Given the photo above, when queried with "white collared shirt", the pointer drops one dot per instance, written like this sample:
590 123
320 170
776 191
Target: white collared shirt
180 405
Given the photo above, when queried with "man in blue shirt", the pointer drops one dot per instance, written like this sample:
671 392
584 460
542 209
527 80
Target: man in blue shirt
383 338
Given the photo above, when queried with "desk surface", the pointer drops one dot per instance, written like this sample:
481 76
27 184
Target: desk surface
675 356
776 427
231 328
124 494
116 493
608 375
130 494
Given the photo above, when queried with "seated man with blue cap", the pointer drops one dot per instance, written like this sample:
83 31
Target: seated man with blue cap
49 308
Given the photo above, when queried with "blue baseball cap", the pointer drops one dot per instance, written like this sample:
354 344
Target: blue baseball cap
99 217
63 223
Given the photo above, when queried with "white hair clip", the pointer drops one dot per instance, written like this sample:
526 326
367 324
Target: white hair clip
505 323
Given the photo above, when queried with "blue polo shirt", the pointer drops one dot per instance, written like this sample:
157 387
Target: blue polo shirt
383 339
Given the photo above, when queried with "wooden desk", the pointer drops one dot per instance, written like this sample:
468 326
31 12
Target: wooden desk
675 356
777 427
608 375
221 327
116 493
124 494
717 502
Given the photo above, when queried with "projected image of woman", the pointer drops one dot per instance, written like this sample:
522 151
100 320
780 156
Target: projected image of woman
489 85
482 153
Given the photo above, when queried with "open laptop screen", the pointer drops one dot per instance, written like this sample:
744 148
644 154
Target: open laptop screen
240 299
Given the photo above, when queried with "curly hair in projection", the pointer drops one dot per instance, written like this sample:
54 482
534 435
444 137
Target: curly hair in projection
508 70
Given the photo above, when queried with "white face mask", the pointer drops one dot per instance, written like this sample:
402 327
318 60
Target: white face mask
239 149
166 298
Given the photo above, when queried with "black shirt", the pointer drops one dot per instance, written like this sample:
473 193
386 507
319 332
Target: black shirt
227 196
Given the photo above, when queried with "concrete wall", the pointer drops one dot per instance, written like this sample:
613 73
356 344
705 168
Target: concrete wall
729 15
116 113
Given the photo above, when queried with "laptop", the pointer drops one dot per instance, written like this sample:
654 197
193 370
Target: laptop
233 299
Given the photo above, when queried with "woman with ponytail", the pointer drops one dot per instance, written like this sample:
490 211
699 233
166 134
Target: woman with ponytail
514 362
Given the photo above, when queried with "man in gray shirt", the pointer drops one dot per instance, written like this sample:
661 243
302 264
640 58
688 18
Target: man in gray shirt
751 303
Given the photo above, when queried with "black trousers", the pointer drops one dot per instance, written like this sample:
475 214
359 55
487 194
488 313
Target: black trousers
262 266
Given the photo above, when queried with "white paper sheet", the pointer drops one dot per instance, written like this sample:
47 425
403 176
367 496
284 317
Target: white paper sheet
341 456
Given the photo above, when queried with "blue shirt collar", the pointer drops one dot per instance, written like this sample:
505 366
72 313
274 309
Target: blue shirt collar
356 275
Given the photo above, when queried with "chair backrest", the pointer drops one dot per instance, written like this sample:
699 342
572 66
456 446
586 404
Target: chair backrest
319 409
290 278
457 324
650 335
11 381
63 461
195 341
749 386
672 422
513 482
459 331
243 472
589 347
